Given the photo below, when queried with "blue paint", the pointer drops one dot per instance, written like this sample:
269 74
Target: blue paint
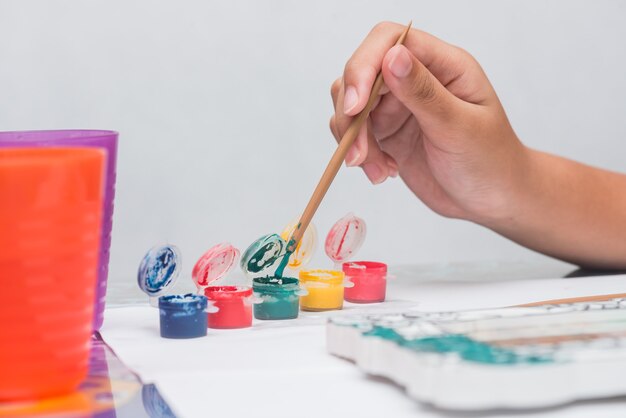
465 347
280 297
158 269
183 316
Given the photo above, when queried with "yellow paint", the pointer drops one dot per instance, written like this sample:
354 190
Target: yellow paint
306 246
325 289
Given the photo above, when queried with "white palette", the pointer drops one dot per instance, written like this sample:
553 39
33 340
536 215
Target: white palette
513 358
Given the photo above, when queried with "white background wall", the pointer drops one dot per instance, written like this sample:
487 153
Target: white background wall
216 101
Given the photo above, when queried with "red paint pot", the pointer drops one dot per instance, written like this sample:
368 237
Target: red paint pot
233 304
369 279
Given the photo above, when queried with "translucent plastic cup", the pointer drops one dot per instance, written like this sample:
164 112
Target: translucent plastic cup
50 223
81 138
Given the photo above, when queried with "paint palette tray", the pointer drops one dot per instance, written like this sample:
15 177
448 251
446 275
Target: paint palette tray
511 358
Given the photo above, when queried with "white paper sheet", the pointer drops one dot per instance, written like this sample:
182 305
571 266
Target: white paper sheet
281 368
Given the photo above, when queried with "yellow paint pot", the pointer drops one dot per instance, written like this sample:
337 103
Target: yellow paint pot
325 290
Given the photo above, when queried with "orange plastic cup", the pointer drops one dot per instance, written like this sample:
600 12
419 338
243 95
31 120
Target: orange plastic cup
50 215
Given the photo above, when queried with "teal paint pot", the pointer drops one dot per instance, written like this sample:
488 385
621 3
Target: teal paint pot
276 298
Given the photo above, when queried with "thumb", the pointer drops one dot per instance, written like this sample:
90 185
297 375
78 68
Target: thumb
420 91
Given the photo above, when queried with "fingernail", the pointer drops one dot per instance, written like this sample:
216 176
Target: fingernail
352 157
350 99
400 64
374 173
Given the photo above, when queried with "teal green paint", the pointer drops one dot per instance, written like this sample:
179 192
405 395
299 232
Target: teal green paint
291 247
263 253
467 348
260 261
280 297
283 263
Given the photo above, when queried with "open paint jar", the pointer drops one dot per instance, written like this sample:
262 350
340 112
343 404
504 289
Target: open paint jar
279 298
325 290
275 298
326 287
183 316
231 305
369 279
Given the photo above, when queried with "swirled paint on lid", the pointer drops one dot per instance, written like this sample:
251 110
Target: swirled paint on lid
345 238
214 264
159 269
305 248
262 254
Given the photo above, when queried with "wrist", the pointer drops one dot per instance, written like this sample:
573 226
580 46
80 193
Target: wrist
516 184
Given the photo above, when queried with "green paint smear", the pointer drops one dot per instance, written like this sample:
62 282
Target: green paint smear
467 348
259 261
283 263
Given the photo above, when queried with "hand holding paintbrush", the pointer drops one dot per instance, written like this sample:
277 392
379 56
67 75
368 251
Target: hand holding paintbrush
333 166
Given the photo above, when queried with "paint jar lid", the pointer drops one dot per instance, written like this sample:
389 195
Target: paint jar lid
306 247
345 238
214 264
263 254
159 269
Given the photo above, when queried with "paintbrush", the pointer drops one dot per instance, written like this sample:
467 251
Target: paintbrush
595 298
333 166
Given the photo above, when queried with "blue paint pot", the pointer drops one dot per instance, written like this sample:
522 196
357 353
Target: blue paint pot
276 298
183 316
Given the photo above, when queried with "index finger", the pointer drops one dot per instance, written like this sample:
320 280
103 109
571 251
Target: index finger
442 60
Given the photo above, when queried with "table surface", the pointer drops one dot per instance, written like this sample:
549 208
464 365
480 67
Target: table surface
282 368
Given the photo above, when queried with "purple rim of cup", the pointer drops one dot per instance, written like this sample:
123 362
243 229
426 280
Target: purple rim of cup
106 140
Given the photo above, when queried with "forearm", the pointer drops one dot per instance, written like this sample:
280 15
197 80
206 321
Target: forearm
568 210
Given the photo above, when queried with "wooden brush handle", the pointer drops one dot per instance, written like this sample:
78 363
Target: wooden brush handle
337 159
596 298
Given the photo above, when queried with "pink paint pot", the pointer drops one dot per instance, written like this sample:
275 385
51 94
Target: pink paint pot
232 306
369 279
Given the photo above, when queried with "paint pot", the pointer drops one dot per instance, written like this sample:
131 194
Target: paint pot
366 281
326 287
158 271
369 279
325 290
180 315
274 297
231 305
183 316
278 298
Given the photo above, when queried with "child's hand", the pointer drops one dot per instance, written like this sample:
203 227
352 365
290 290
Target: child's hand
438 123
